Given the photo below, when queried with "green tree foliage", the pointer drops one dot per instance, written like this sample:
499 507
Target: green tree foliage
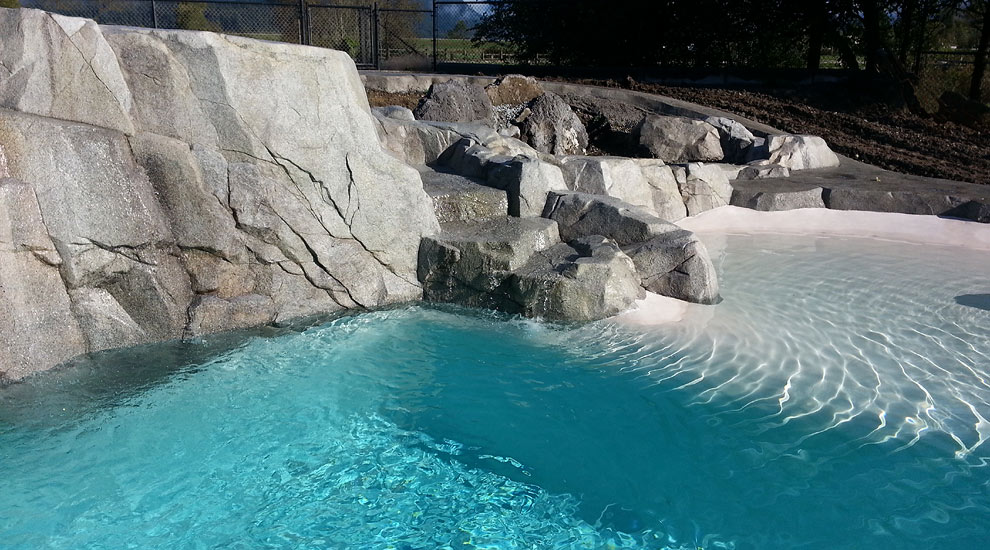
459 31
192 16
10 3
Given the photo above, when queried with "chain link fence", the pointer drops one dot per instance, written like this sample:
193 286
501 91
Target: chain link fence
456 24
374 34
948 71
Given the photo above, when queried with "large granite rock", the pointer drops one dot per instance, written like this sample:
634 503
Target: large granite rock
519 265
736 139
217 183
679 139
552 127
455 101
649 183
799 152
61 67
777 197
583 214
461 199
669 260
469 263
675 263
703 186
526 179
584 280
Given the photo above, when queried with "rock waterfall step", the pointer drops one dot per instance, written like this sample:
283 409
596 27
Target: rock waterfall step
462 199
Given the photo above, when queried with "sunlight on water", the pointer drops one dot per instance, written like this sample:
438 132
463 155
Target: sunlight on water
837 398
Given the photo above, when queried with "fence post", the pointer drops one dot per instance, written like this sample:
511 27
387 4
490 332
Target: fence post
375 39
154 13
434 35
303 22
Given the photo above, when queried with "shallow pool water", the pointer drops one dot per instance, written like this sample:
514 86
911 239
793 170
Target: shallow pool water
837 398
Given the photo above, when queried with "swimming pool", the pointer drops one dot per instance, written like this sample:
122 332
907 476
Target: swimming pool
837 398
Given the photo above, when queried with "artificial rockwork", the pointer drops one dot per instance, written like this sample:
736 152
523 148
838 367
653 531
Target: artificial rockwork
161 184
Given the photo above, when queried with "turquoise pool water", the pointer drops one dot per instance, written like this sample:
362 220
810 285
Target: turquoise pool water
837 398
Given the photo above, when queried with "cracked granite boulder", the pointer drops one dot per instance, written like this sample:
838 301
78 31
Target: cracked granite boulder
160 184
679 139
669 260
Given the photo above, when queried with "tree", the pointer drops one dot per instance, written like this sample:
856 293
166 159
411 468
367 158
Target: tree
459 31
10 3
192 16
980 59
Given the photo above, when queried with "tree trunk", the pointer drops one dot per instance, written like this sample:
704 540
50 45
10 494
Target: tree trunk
907 27
871 33
816 34
980 61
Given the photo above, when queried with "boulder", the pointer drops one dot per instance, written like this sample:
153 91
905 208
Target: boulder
582 215
735 138
679 139
552 127
525 179
617 177
461 199
641 182
667 200
584 280
528 182
675 263
468 263
514 89
799 152
455 101
396 112
778 198
703 187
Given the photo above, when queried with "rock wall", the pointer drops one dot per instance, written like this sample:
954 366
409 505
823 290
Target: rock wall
161 184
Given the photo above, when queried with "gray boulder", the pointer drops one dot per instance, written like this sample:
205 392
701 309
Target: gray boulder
800 152
584 280
669 260
396 112
777 198
703 186
763 171
468 263
641 182
552 127
455 101
617 177
677 139
676 264
583 215
461 199
735 138
526 180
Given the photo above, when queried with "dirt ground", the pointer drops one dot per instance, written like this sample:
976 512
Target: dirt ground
853 125
870 131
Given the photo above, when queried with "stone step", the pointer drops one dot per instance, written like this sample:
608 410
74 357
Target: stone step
462 199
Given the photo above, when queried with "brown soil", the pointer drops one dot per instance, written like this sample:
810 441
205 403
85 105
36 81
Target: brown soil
869 131
384 99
